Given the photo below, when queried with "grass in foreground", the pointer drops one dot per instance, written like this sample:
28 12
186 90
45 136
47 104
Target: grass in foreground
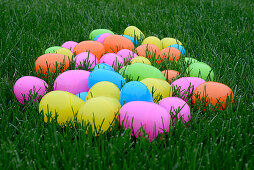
219 33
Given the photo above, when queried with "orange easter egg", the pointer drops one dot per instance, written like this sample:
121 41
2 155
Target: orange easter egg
213 92
115 43
148 50
171 53
96 48
170 75
48 63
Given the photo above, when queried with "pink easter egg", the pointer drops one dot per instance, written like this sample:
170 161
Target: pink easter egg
126 54
113 60
195 81
27 85
186 86
85 58
175 105
102 37
69 45
72 81
148 117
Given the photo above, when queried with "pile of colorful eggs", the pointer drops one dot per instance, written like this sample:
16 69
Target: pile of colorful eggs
122 85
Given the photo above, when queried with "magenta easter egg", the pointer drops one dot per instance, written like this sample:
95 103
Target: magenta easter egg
113 60
69 45
72 81
126 54
142 116
102 37
27 85
85 58
175 105
185 86
195 81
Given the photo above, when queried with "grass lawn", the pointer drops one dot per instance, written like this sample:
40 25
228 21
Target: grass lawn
219 33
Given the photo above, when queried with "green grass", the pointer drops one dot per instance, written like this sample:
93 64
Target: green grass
219 33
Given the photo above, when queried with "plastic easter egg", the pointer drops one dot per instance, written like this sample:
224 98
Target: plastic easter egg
195 81
82 95
134 32
135 91
165 42
140 71
87 59
114 43
147 117
135 42
103 66
72 81
152 40
104 88
126 54
214 93
140 59
170 75
105 75
190 60
101 37
52 49
177 107
159 89
179 47
48 63
113 60
65 52
69 45
26 86
94 47
62 104
148 50
96 32
170 53
201 70
100 112
185 86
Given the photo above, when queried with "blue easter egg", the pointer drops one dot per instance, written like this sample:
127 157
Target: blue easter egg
130 38
96 37
135 91
105 75
82 95
179 47
103 66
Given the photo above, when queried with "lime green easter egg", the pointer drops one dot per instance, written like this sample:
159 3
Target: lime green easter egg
140 71
96 32
201 70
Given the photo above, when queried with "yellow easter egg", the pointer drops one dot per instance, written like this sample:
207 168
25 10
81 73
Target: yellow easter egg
65 52
103 88
134 32
165 42
153 40
100 112
62 104
140 59
160 89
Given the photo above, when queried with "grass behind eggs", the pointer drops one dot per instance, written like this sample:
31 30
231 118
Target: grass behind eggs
218 33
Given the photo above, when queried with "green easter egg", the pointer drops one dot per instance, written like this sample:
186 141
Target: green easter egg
140 71
201 70
96 32
52 49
